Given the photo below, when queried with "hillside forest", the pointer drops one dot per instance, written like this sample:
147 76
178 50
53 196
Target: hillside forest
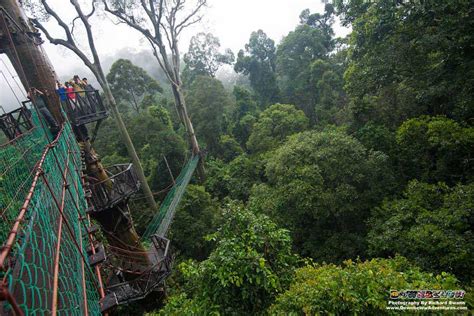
337 169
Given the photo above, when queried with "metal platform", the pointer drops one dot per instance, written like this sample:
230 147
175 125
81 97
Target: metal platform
84 107
121 184
16 122
121 292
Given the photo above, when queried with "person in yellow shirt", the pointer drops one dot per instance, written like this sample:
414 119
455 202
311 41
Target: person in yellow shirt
78 86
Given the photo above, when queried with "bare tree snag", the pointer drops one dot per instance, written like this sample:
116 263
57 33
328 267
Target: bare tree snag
161 22
95 66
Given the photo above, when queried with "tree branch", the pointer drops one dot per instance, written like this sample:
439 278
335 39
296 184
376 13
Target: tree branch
88 16
200 4
182 27
127 20
66 43
155 53
61 23
168 38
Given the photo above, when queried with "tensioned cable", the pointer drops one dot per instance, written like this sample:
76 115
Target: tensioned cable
13 77
8 83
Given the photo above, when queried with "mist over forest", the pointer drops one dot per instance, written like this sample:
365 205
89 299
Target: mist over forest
332 174
341 151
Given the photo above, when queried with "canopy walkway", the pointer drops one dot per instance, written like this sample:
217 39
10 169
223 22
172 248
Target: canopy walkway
162 220
43 262
54 189
84 107
50 260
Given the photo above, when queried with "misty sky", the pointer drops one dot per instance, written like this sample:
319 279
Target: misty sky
230 20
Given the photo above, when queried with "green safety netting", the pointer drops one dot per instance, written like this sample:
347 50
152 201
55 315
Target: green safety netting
17 161
161 222
30 273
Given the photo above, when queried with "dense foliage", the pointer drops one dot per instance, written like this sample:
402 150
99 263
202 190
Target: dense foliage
397 71
431 224
207 101
203 57
334 149
355 287
436 149
198 215
274 125
310 43
258 62
250 264
321 186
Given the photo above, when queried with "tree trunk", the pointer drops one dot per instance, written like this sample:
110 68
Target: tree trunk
34 69
119 229
181 105
29 60
135 103
128 143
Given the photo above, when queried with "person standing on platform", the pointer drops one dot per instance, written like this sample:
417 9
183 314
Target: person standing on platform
61 91
81 99
87 85
71 95
90 94
41 103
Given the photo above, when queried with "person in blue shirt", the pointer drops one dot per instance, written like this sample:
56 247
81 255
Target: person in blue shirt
61 91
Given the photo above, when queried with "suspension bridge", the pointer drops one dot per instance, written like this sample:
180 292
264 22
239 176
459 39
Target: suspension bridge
51 261
68 243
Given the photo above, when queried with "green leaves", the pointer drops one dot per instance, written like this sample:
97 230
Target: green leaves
207 101
203 57
321 185
197 216
435 149
433 221
355 287
251 263
274 125
130 83
397 72
258 62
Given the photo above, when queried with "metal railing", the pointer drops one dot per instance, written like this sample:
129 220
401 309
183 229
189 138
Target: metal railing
121 184
83 107
16 122
150 280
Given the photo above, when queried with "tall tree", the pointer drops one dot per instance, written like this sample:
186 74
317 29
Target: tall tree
397 71
274 125
327 84
244 115
310 41
322 185
204 58
94 64
258 62
130 83
161 22
207 101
